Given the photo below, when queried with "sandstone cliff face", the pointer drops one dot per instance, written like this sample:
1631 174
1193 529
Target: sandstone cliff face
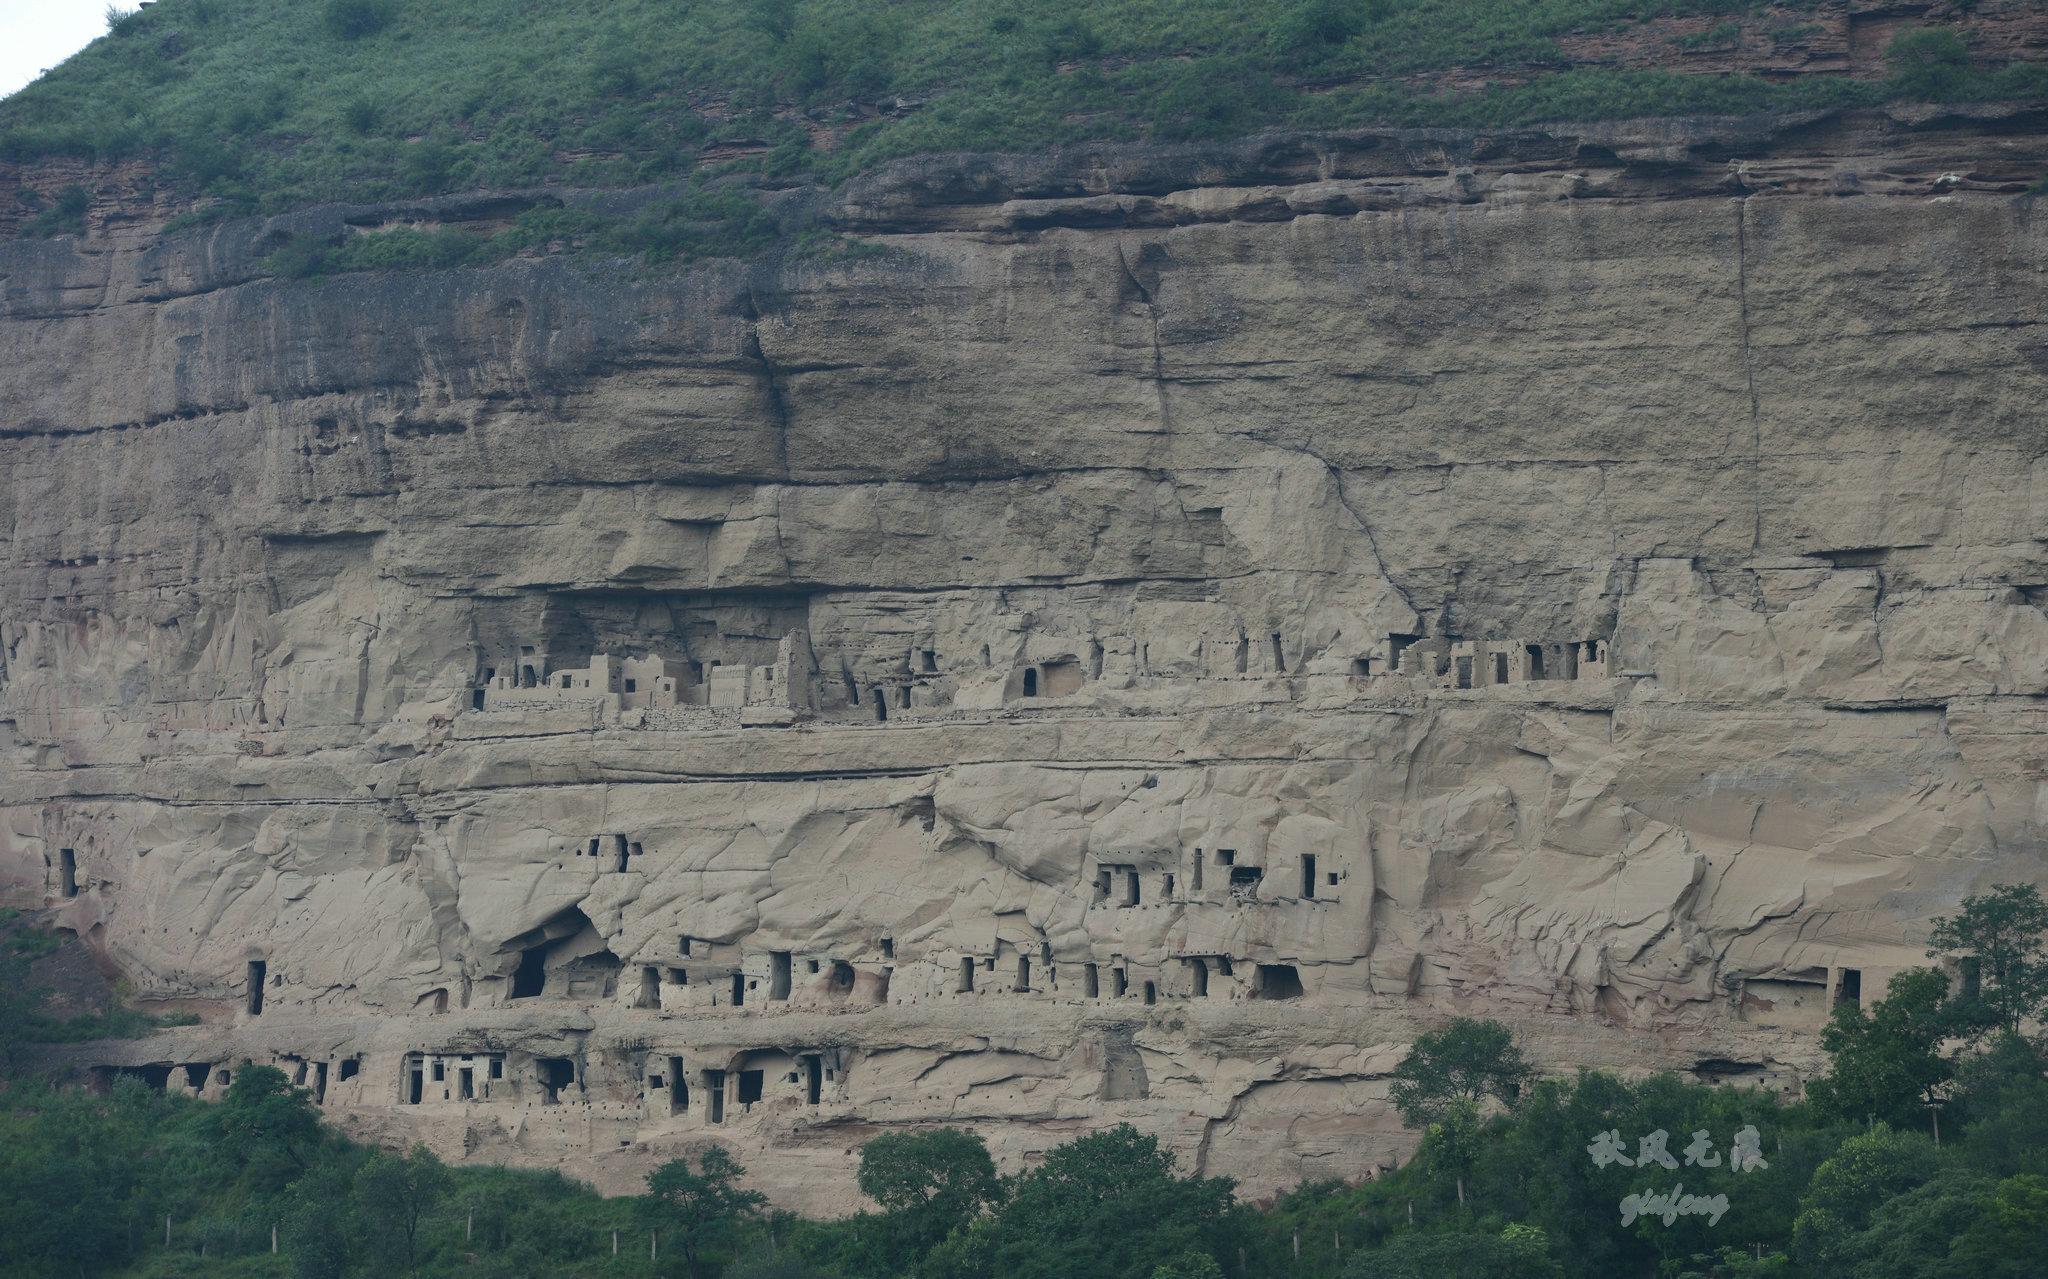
1162 631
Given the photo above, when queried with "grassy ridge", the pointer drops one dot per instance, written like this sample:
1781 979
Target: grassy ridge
270 105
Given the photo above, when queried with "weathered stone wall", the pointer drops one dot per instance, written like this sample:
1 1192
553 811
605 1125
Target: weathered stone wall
1118 479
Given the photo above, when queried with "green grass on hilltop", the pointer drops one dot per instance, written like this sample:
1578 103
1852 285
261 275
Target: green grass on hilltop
270 105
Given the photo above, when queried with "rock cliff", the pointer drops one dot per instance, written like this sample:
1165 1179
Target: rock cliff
1139 639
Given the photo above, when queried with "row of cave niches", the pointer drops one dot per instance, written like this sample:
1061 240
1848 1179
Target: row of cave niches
640 1083
566 957
840 983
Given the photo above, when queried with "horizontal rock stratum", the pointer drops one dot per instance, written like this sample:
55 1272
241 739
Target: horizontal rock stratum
1137 642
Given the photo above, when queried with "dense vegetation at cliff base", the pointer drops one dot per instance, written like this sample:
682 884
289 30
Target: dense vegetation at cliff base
267 105
1922 1154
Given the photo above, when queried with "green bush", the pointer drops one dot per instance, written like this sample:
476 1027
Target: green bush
66 216
355 19
1928 62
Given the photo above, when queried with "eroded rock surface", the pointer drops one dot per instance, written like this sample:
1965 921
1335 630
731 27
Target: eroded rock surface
1141 643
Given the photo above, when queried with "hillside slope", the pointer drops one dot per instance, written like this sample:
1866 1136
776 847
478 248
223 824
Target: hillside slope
254 105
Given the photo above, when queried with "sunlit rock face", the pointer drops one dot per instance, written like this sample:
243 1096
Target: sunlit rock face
1138 640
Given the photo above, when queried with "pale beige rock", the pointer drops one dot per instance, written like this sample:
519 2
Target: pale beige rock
1625 583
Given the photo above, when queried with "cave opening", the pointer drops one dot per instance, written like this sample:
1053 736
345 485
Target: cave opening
778 974
531 977
1276 981
67 871
554 1075
258 970
1849 987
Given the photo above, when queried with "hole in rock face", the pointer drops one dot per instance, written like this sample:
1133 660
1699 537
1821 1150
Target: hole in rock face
841 977
1308 875
553 1074
714 1088
1849 987
67 871
1031 683
258 970
1091 981
967 976
1276 981
778 975
814 1080
531 977
349 1067
750 1087
1198 977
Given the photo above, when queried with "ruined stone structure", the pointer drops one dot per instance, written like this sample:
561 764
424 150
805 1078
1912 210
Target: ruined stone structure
1164 630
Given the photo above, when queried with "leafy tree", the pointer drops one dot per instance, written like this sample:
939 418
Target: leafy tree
1887 1063
2004 935
2003 1098
1513 1254
1869 1169
1451 1144
393 1194
264 1127
700 1214
1469 1059
929 1183
319 1230
1105 1206
1189 1265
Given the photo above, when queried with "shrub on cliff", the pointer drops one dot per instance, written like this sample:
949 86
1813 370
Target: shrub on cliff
354 19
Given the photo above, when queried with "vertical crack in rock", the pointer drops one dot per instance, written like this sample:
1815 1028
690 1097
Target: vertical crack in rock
1756 441
771 382
1135 285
